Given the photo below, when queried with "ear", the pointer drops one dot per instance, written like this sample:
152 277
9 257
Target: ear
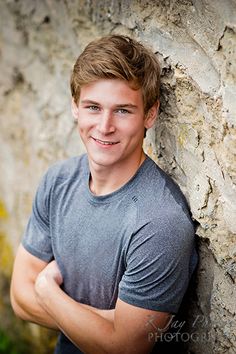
151 115
74 110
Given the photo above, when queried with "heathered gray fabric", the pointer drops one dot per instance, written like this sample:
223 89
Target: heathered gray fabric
136 243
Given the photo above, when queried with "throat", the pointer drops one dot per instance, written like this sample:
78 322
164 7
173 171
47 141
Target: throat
107 181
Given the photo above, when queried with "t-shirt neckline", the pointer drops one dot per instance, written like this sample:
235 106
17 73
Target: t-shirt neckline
118 193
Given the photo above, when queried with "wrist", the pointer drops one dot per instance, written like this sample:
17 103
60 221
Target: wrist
44 286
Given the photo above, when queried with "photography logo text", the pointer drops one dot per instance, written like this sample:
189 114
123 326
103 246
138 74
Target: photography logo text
174 330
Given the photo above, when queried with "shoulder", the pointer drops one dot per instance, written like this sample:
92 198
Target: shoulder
66 170
68 167
162 209
159 194
158 180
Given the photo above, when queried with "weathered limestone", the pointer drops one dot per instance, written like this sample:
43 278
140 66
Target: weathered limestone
194 138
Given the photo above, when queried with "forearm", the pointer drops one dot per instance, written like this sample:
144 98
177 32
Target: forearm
30 310
90 329
106 314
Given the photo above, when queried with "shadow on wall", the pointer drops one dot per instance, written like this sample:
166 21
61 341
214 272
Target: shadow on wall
191 328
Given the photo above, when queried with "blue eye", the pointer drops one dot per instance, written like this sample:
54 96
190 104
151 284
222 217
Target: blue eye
93 108
122 111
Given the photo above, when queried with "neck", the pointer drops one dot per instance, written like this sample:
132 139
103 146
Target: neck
105 180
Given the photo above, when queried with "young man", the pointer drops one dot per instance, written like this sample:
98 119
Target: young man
109 248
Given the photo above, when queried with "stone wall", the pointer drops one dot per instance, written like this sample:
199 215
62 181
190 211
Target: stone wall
194 138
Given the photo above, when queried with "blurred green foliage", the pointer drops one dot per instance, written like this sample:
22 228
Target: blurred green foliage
9 346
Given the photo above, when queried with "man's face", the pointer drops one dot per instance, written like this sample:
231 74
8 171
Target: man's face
111 122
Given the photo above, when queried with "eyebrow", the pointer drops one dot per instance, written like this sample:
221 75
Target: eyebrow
89 102
121 105
126 105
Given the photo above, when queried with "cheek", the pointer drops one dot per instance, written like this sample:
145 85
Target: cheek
82 124
80 129
134 130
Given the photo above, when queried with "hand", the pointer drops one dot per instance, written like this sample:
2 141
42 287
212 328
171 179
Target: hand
50 276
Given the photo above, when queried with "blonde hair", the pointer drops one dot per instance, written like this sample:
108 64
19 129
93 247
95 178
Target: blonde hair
118 57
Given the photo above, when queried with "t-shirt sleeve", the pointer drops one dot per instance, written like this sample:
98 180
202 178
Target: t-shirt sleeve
36 239
158 264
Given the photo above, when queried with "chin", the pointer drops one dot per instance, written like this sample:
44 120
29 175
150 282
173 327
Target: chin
103 162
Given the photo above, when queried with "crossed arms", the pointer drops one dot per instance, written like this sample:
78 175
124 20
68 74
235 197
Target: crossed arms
36 296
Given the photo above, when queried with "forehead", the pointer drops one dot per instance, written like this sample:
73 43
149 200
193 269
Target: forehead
111 91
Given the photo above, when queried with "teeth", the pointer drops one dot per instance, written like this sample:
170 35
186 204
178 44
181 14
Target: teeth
105 142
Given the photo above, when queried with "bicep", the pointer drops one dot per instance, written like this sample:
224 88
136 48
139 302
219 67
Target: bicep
138 328
23 298
25 271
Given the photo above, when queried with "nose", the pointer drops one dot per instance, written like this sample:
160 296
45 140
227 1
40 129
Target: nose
106 123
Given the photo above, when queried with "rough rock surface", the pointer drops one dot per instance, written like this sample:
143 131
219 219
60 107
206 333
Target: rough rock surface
194 138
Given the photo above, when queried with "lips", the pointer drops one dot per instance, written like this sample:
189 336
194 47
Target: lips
104 142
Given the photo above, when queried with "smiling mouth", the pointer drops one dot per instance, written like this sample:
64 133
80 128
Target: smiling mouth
103 142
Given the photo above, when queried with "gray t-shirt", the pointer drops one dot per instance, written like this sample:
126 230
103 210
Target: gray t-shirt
136 243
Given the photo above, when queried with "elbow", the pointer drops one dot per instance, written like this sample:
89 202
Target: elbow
17 308
19 312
